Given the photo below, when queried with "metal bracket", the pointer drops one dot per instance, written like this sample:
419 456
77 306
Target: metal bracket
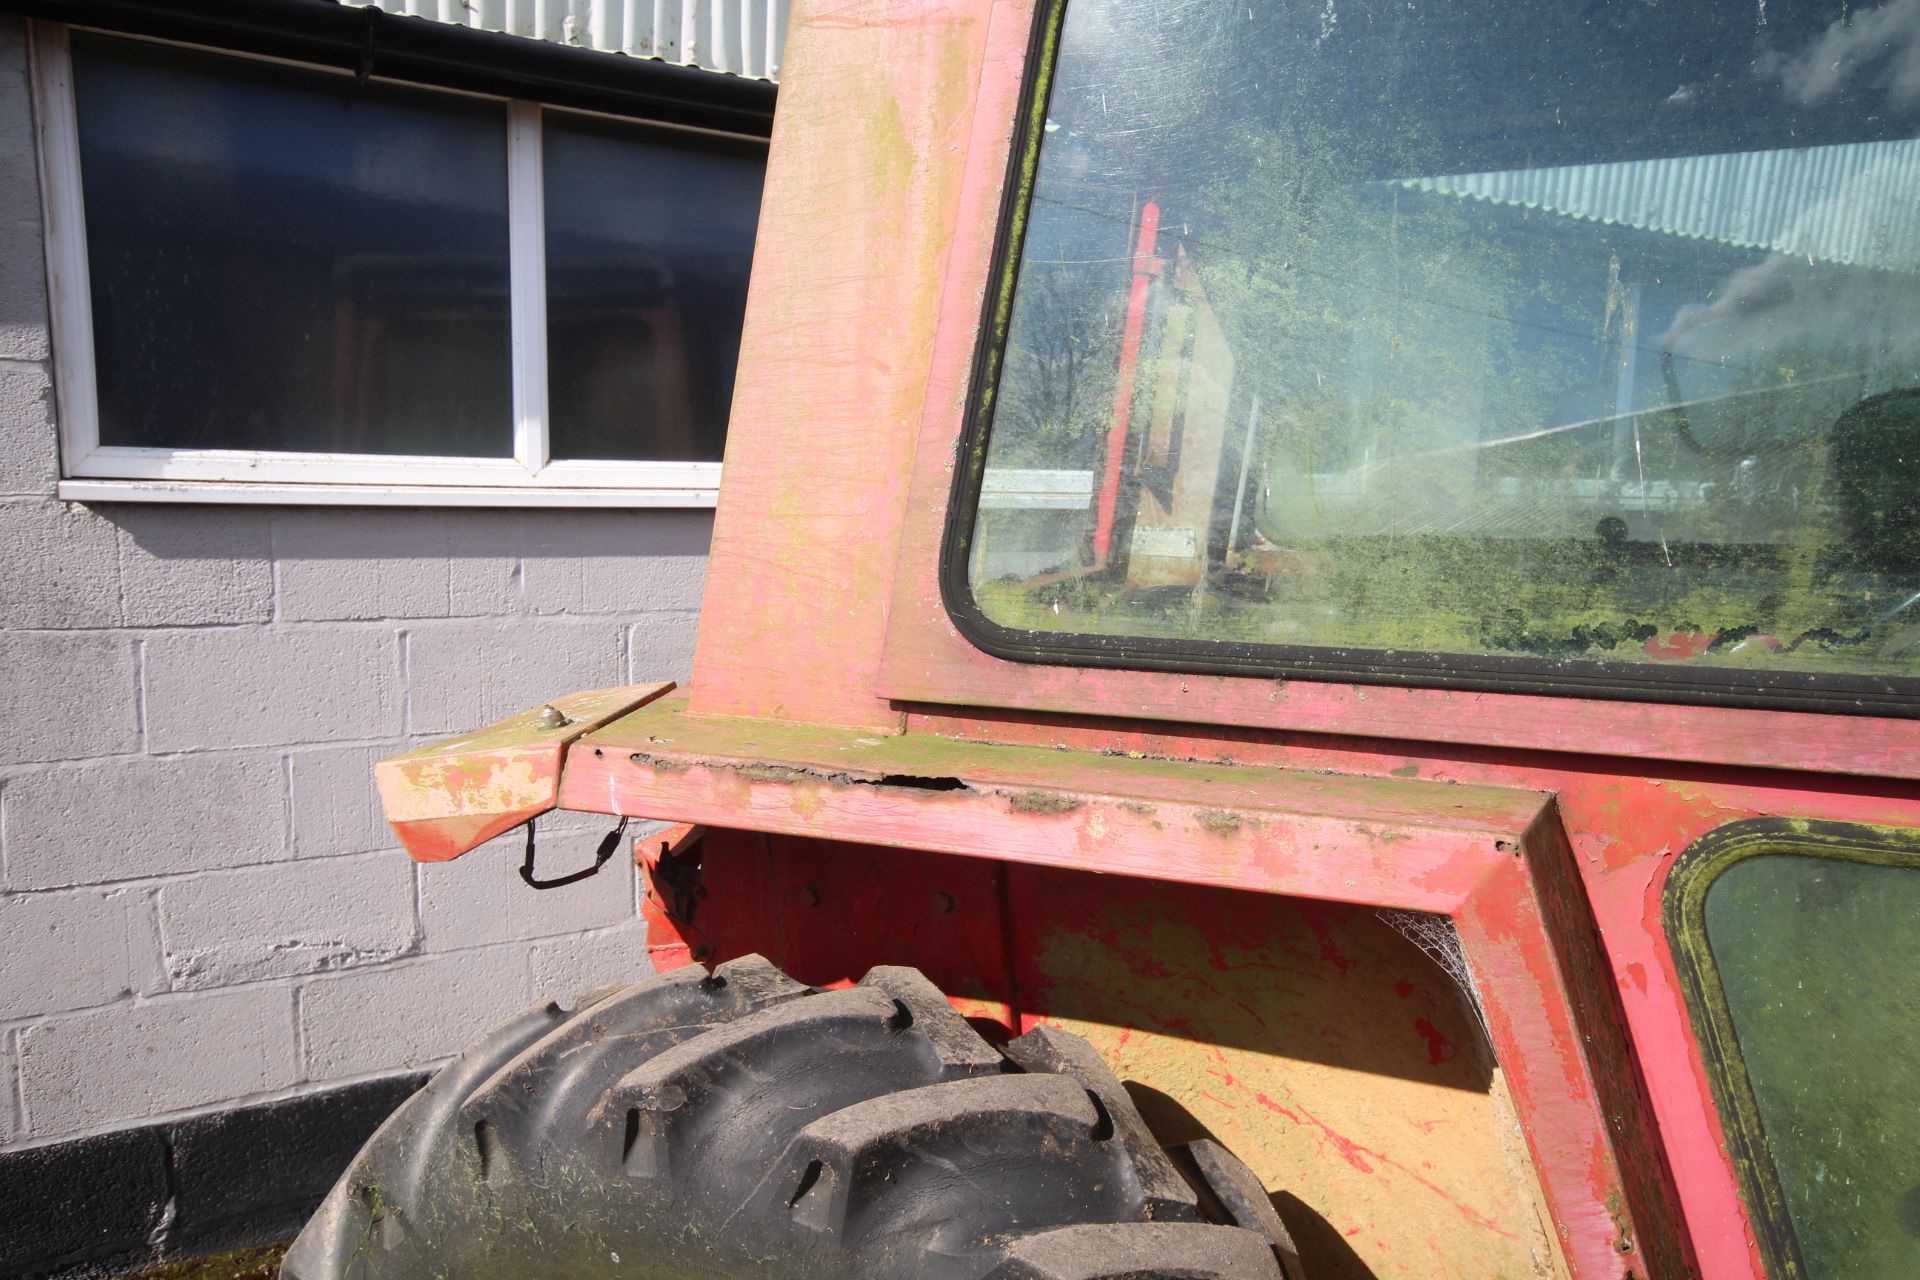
608 843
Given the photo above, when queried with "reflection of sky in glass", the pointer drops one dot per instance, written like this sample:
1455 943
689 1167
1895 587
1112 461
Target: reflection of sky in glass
1635 99
1492 86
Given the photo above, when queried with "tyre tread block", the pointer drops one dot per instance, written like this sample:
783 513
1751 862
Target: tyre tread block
563 1075
1140 1251
1001 1141
584 1000
960 1047
729 1101
1048 1049
1241 1194
523 1086
757 981
366 1209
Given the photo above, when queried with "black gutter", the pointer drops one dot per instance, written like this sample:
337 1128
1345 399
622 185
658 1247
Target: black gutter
367 41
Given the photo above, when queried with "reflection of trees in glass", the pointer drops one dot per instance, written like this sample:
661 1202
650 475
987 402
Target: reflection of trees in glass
1873 479
1388 333
1802 414
1417 356
1394 339
1774 372
1056 388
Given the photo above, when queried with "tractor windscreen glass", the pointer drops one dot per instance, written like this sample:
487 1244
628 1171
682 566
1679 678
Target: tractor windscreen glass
1818 964
1565 343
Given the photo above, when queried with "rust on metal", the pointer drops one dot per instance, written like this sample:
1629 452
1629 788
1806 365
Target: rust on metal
448 797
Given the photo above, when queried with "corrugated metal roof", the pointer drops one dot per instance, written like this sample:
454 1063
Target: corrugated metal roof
742 37
1856 204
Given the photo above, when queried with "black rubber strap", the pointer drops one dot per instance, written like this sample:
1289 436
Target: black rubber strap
608 843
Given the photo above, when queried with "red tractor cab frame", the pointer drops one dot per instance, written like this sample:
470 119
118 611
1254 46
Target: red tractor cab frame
861 780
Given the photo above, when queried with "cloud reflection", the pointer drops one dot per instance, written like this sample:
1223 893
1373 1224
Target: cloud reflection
1876 49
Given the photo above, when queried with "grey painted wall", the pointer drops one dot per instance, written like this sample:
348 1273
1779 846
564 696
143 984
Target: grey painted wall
199 903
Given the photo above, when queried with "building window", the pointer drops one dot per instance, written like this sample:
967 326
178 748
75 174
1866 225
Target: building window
276 281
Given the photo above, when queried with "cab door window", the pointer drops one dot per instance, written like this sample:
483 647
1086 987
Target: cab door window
1577 345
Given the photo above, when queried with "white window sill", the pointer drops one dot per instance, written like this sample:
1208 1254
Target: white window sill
378 495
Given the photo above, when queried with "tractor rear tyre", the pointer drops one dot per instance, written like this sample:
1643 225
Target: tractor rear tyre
742 1124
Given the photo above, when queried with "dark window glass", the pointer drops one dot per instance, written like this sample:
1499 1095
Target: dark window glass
1819 958
649 241
286 260
1552 332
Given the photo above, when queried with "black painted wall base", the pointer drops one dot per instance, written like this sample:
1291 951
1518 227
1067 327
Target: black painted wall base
179 1188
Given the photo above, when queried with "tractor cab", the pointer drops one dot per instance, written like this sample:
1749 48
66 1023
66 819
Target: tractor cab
1344 580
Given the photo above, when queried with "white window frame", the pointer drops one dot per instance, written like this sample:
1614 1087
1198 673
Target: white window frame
91 471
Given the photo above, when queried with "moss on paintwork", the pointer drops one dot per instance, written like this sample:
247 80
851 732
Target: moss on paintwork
1044 802
244 1264
1566 599
891 150
1221 822
715 741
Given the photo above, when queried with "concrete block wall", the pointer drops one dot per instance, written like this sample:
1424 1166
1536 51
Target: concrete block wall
199 903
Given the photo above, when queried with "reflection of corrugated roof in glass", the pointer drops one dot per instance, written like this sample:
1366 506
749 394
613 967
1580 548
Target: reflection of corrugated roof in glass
1851 204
